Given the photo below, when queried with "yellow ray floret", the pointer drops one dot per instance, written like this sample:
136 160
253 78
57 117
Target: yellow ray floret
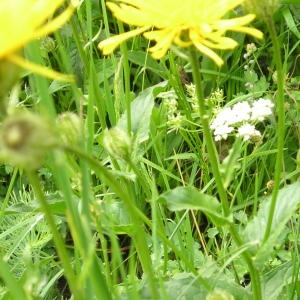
183 23
22 21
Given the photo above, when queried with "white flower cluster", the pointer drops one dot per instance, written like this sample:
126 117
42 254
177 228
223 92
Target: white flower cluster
240 118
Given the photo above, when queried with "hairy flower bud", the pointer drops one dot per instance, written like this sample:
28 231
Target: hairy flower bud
25 139
68 126
117 143
48 44
263 9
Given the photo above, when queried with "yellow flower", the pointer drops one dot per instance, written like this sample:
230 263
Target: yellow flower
181 22
22 21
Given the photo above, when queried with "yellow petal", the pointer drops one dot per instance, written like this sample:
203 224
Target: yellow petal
210 53
205 50
109 45
163 40
26 20
220 42
56 22
236 24
252 31
38 69
172 18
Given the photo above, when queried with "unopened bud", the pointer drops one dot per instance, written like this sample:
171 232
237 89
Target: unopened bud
48 44
263 9
25 139
68 127
117 143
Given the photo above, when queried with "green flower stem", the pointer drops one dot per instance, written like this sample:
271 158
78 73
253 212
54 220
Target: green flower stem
214 162
211 149
280 123
59 243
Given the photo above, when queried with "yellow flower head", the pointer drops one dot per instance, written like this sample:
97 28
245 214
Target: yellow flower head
22 21
181 22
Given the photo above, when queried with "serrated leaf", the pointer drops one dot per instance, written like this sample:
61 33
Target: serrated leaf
260 87
182 198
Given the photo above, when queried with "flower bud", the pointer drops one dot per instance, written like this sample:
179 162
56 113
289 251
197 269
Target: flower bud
263 9
25 139
48 44
219 295
117 143
69 126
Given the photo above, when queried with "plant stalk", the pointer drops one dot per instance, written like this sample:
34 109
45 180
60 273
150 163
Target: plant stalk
214 162
280 123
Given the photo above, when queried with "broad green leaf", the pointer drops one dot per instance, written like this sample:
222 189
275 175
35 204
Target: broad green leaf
274 281
186 286
141 110
182 198
287 202
115 217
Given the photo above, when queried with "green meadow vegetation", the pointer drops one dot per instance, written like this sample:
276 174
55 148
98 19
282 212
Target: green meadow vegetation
152 179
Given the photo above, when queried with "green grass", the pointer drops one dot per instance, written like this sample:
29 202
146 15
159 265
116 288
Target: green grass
156 209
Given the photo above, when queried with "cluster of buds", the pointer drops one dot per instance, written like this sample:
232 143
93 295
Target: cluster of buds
215 99
249 56
175 118
241 119
192 97
250 50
